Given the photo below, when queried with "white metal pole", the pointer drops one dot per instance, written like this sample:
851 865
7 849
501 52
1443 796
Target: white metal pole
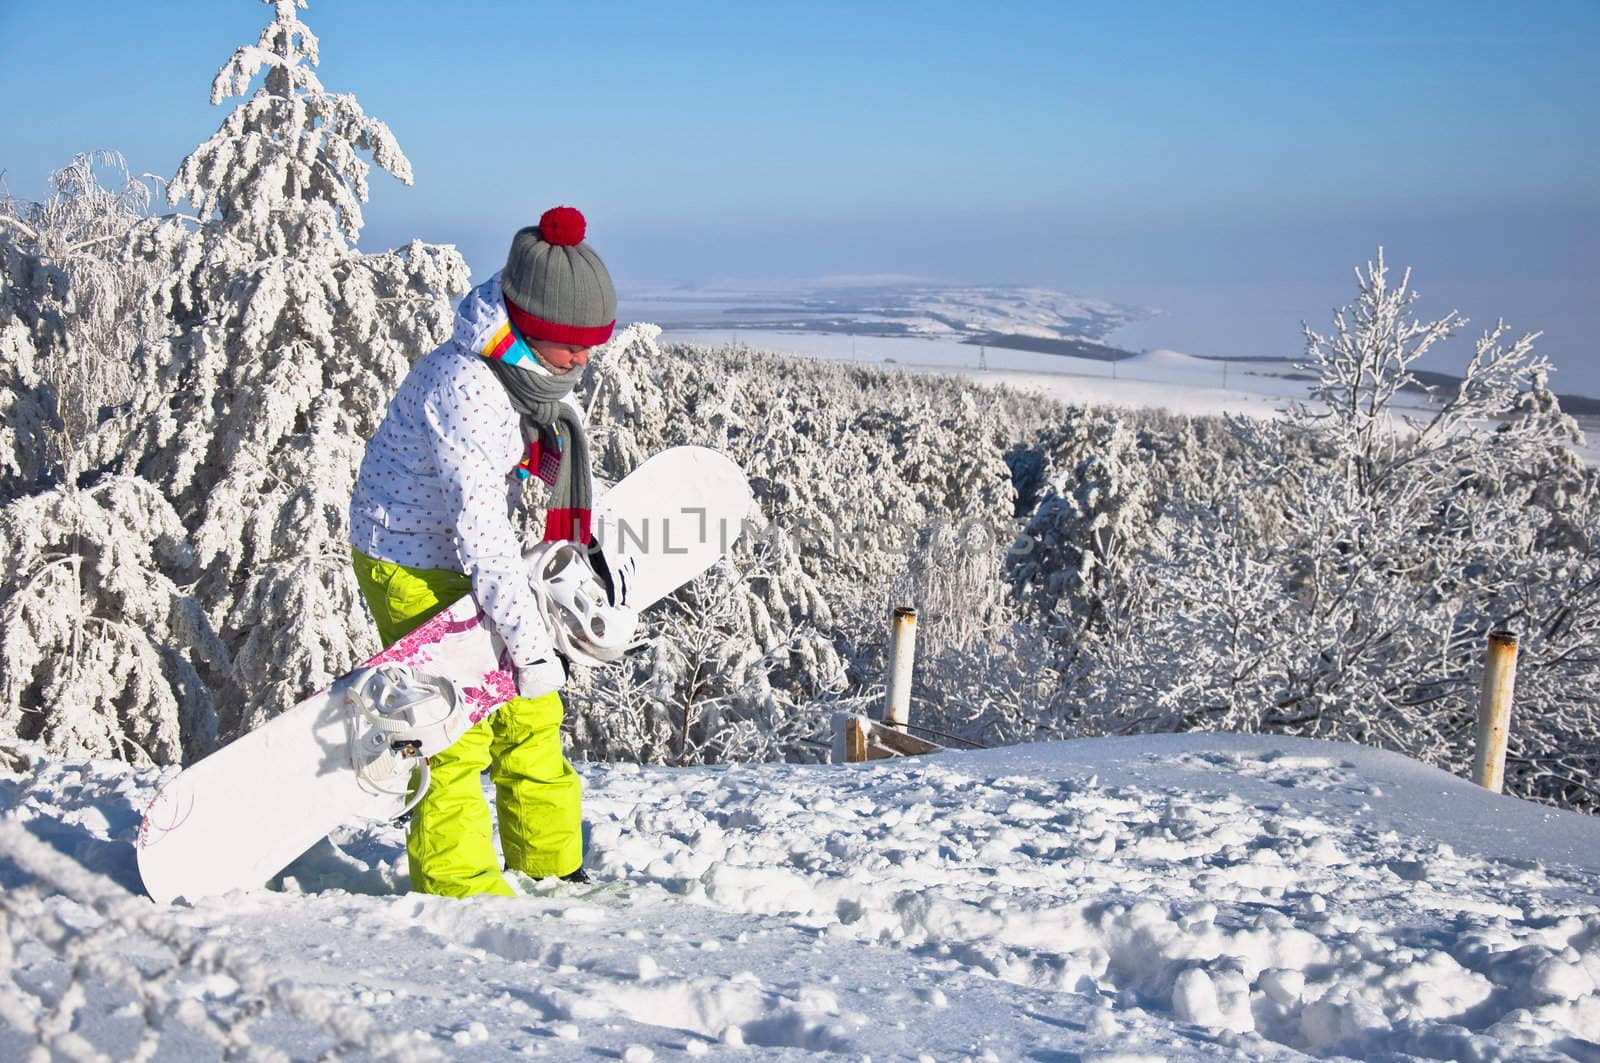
1494 711
903 648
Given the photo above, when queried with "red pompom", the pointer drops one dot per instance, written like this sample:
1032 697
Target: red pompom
562 226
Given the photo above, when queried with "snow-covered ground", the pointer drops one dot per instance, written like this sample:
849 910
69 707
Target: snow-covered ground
1165 897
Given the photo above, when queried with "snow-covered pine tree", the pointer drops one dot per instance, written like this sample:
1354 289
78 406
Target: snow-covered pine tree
289 343
1072 564
879 487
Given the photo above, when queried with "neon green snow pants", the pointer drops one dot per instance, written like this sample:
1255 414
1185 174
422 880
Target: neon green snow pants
450 846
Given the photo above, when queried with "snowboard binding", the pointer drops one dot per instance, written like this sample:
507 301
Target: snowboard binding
399 719
584 624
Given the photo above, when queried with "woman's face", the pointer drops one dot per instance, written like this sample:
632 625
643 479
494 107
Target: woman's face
560 356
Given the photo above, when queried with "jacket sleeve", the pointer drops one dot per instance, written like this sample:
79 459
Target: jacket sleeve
473 476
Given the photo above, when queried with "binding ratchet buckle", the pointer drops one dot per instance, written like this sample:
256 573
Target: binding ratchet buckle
399 719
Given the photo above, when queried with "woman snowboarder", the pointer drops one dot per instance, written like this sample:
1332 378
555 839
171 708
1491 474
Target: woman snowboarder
430 521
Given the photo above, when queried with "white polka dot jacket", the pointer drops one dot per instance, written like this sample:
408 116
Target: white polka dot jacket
438 482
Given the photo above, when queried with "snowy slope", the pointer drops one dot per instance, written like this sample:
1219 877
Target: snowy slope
1166 897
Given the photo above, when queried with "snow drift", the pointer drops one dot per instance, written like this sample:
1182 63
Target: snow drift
1177 897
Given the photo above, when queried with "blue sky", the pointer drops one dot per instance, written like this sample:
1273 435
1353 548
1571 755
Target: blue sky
1229 162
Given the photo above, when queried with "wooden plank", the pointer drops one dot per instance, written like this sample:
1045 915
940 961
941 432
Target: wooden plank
855 740
860 739
887 742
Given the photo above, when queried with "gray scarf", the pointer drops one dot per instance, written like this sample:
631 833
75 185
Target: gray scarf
551 423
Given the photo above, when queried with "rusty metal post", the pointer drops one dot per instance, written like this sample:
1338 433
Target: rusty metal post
902 651
1494 711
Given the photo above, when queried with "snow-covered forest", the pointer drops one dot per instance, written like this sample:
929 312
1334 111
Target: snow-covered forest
189 370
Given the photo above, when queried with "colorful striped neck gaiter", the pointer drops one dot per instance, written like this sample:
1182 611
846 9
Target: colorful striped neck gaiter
551 428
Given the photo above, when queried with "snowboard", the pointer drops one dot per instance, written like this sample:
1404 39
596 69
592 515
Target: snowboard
236 818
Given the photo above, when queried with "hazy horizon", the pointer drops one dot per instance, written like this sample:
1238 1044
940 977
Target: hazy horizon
1231 168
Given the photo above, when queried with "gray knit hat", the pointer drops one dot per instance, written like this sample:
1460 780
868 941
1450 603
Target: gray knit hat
555 285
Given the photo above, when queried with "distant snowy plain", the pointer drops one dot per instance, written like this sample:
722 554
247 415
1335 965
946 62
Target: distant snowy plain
1168 897
1156 379
889 307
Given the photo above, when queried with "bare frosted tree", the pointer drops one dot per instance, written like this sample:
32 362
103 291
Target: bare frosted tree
76 291
104 653
1345 591
104 649
32 292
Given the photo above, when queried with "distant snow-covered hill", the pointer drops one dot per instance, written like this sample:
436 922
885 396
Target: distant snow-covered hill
976 313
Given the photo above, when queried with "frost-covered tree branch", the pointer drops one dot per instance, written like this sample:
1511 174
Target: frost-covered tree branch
1345 583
